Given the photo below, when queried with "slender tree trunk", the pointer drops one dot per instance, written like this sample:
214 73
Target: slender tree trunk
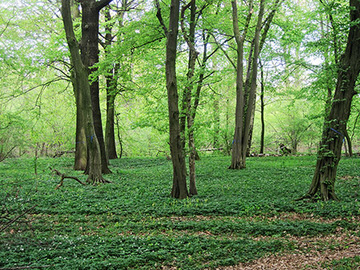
237 159
179 189
187 97
329 153
111 90
110 120
349 144
90 56
216 115
244 101
262 110
82 81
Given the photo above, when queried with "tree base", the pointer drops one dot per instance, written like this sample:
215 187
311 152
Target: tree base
97 180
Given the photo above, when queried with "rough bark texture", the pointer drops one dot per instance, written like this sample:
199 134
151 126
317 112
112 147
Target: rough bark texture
323 183
80 138
179 189
89 46
81 77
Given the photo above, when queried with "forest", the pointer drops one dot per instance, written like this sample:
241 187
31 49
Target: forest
199 134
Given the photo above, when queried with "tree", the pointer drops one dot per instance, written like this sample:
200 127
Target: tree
84 96
244 103
111 88
329 153
89 46
179 188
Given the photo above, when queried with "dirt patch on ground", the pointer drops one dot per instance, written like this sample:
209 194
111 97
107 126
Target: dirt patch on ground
310 253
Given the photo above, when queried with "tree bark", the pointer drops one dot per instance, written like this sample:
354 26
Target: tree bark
329 154
82 82
89 46
187 99
244 101
179 189
111 90
262 110
80 138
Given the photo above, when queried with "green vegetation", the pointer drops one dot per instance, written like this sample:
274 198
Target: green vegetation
133 223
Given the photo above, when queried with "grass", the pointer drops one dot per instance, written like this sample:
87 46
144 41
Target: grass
133 223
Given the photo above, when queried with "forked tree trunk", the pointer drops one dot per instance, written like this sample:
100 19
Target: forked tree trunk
82 81
244 101
329 153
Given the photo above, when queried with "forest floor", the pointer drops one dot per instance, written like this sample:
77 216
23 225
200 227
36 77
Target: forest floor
247 219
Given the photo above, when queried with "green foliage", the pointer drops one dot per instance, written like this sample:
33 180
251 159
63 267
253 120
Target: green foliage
133 223
344 264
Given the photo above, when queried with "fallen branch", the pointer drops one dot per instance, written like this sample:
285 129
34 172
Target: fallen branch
15 219
63 176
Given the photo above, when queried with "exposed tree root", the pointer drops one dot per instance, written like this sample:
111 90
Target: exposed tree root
63 176
92 180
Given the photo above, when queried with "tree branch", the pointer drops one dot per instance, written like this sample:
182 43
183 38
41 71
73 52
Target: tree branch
15 219
159 16
63 176
101 4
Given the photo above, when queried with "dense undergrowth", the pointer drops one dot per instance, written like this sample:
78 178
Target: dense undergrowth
133 223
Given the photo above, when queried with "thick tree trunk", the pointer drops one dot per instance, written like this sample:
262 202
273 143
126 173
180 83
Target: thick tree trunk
80 138
82 81
90 56
179 189
329 154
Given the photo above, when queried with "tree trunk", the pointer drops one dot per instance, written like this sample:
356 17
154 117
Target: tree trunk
244 101
179 189
82 81
80 138
111 91
349 144
110 120
237 159
329 153
187 103
90 56
262 109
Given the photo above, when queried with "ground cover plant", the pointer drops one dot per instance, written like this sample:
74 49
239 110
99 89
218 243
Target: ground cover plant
240 219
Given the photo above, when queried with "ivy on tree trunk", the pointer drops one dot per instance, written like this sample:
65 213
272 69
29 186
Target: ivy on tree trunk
329 154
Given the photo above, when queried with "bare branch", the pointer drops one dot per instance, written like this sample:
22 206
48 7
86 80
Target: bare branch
160 18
